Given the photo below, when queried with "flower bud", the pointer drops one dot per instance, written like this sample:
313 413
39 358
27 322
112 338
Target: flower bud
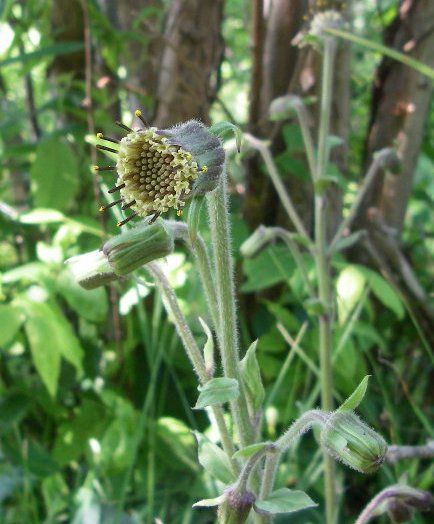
348 439
236 507
324 20
91 270
256 241
136 247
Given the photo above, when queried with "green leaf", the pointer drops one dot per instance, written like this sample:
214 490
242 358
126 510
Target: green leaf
42 216
54 175
214 460
61 48
384 292
284 500
356 397
217 391
11 319
220 129
40 326
90 304
50 337
208 350
248 451
210 503
272 266
251 377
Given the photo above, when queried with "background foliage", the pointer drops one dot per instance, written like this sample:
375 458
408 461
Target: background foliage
96 392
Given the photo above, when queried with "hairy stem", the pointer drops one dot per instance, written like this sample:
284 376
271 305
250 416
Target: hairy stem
228 334
294 432
322 265
193 352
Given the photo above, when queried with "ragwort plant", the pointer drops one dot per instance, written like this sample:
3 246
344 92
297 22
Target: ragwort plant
158 170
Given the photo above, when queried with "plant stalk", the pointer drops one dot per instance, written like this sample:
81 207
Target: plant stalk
228 334
322 264
193 353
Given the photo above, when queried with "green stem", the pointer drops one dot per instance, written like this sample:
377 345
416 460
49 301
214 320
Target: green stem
322 265
228 335
294 432
197 247
193 353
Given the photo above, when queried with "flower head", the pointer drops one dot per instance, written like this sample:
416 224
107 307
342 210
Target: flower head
160 169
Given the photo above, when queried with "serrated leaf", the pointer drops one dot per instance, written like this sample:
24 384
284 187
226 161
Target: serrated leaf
214 460
54 175
208 349
209 503
251 377
248 451
217 391
284 500
356 397
221 129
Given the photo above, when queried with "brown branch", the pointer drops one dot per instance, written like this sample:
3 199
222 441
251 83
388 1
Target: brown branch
258 32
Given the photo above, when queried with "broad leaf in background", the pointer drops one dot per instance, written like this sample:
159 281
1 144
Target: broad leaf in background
213 459
90 304
217 391
11 318
284 500
54 175
50 337
273 265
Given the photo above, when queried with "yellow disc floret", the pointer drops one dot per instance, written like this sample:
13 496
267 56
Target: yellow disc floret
154 175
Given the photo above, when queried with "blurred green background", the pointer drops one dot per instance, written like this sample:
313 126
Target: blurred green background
95 389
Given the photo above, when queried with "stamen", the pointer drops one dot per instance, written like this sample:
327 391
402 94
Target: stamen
154 218
126 206
123 126
104 148
104 168
123 222
102 137
116 188
114 203
138 114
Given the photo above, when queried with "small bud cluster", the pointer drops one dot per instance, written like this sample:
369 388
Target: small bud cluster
325 20
154 174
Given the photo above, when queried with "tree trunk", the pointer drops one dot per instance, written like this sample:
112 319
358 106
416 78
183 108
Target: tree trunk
193 49
288 69
400 106
273 69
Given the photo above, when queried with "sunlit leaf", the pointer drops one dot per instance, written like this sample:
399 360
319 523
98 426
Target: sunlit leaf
217 391
284 500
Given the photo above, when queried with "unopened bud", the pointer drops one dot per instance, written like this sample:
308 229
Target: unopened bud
353 442
136 247
256 241
91 270
236 507
283 107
